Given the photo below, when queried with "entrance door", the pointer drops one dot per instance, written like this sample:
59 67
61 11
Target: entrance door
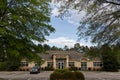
60 63
83 65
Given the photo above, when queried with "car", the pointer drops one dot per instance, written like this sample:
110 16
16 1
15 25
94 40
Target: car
35 69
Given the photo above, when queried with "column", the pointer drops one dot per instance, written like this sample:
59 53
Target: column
67 61
54 61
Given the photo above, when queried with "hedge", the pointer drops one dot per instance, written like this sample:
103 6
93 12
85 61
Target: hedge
66 75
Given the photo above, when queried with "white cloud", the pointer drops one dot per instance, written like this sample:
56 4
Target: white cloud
55 12
74 17
55 8
62 41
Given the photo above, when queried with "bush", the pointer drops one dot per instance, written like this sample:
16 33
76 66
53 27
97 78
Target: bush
61 70
73 68
69 75
49 68
56 76
79 75
66 75
2 66
8 66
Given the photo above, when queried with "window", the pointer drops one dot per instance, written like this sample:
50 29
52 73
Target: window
84 64
24 63
97 64
37 64
50 64
71 64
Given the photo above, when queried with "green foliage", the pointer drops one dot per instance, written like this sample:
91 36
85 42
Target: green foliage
11 61
49 69
9 65
2 66
69 75
93 52
73 68
55 48
109 57
61 70
79 75
66 75
66 48
46 47
55 76
116 51
101 19
21 23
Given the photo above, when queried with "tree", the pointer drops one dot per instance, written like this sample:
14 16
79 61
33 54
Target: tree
66 48
54 48
109 58
21 23
93 51
116 52
46 47
101 21
77 46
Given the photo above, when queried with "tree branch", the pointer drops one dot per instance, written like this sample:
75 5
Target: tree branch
5 10
112 2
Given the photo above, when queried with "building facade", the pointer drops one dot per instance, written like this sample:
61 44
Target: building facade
70 59
65 60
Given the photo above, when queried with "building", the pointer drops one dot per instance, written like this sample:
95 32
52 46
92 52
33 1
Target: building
66 60
70 59
26 65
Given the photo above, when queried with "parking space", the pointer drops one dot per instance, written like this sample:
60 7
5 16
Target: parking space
102 75
25 75
21 75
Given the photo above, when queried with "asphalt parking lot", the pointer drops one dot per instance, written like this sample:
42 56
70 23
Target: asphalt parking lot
102 75
20 75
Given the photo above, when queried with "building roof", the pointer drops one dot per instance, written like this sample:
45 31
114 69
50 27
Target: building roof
73 55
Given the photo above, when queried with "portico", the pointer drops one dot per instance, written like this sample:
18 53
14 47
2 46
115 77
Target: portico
60 61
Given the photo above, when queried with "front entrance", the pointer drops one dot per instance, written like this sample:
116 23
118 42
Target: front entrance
60 63
83 66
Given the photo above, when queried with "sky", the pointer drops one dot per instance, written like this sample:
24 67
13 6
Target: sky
65 30
65 33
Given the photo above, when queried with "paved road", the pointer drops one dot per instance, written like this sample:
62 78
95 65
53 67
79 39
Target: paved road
45 75
102 75
25 75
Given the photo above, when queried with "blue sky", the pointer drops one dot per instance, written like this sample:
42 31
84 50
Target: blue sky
65 33
66 29
63 28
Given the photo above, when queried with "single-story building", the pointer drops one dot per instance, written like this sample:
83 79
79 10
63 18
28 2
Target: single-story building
66 60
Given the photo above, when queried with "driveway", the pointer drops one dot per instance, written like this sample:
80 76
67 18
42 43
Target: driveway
20 75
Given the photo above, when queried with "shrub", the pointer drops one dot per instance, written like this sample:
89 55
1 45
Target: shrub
73 68
49 68
8 66
61 70
69 75
2 66
65 74
79 75
56 76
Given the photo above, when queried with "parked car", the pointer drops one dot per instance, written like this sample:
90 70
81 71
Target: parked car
35 69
